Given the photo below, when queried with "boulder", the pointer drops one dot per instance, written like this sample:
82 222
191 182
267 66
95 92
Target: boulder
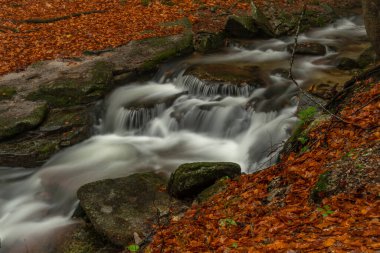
308 48
191 179
86 84
61 128
241 27
118 208
345 63
18 117
7 92
205 42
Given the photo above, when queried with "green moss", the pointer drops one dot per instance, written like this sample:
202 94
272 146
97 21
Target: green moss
74 91
10 127
182 47
7 92
320 188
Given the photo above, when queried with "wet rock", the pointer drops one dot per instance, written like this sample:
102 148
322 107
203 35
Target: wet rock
20 116
367 57
84 85
205 42
120 207
191 179
345 63
324 90
308 48
241 27
356 170
224 79
61 128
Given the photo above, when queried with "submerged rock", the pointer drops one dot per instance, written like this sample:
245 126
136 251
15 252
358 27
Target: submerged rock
21 116
192 178
120 207
308 48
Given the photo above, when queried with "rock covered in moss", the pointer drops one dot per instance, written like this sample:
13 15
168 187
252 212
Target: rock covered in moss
205 42
20 116
192 178
120 207
86 84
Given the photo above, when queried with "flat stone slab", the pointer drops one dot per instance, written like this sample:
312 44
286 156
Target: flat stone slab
120 207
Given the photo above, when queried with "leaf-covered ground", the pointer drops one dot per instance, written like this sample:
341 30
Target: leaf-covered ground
274 211
35 30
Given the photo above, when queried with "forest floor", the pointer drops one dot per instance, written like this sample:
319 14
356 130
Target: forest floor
36 30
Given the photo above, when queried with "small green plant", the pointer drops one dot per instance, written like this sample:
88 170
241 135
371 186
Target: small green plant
305 149
133 248
325 210
307 114
227 222
234 245
302 139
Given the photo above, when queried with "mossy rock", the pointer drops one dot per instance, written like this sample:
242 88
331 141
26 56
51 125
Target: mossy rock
76 88
190 179
61 128
16 118
171 49
7 92
205 42
241 27
120 207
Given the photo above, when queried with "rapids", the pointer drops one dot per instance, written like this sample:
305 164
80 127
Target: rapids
170 120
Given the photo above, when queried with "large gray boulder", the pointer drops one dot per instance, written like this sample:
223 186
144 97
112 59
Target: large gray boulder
191 179
118 208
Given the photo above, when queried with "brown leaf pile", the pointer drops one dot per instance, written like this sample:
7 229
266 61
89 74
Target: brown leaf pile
242 219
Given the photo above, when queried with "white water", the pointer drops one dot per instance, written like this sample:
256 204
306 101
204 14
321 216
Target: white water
248 129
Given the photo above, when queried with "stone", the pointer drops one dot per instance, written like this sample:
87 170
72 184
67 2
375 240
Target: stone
241 27
62 127
308 48
19 117
205 42
118 208
367 57
345 63
219 186
190 179
7 92
84 85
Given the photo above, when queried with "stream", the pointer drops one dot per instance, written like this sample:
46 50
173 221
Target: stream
173 119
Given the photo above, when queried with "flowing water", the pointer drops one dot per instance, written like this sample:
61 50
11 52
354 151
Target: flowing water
170 120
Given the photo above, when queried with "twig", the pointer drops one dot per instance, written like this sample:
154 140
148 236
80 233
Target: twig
295 82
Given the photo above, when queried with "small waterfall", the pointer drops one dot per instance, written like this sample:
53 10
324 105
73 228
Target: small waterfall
135 119
198 87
